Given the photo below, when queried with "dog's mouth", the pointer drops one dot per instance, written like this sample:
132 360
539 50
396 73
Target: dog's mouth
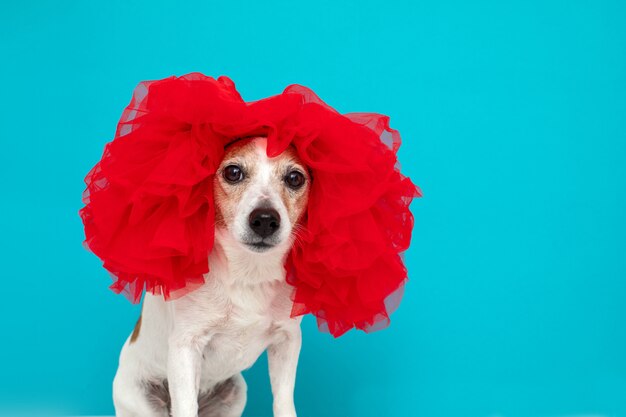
259 246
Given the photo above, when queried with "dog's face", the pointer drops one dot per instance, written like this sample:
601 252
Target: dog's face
260 200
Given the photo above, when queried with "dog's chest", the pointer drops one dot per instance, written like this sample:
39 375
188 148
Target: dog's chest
248 320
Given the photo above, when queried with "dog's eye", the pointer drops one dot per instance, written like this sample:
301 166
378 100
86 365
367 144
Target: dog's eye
233 173
295 179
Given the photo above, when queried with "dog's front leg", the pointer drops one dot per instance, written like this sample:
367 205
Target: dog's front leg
283 362
183 375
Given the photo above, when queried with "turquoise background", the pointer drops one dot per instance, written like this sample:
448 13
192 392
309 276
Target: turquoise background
513 120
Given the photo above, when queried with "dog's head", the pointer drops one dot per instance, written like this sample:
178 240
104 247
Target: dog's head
259 200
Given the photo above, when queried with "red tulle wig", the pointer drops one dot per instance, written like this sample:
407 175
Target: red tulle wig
149 212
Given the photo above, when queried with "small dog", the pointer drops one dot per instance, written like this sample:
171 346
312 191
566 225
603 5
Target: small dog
185 357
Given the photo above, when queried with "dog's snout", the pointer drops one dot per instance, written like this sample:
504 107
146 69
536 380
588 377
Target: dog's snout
264 221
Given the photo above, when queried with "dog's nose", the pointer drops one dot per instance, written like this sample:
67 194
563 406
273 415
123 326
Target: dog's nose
264 221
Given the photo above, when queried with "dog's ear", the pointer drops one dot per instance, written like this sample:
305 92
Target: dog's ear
149 212
347 268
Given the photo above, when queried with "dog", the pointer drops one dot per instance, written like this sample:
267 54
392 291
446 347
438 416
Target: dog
184 357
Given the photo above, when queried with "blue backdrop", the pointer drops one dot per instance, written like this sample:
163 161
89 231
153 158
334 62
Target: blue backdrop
512 116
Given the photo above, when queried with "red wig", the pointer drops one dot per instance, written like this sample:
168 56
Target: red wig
149 212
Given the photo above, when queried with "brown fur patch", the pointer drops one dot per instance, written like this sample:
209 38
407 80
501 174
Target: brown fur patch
226 195
295 201
137 329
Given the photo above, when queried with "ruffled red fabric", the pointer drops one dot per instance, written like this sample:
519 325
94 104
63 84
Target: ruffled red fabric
149 210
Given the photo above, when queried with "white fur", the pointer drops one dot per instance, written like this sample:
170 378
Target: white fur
220 329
